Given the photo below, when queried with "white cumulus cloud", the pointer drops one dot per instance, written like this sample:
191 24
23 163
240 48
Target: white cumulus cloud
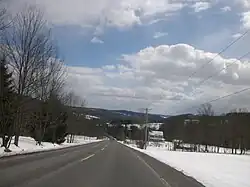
237 35
159 34
101 13
158 77
96 40
243 3
246 19
226 9
201 6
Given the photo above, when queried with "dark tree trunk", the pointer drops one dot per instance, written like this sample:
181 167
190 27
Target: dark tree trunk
71 138
9 138
17 130
242 147
206 149
39 136
16 140
218 149
4 144
232 147
18 124
6 140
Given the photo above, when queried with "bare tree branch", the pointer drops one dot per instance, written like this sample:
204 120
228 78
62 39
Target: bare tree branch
32 55
73 100
33 58
206 110
3 17
239 110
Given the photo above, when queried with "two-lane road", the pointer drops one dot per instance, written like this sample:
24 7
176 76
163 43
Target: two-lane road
101 164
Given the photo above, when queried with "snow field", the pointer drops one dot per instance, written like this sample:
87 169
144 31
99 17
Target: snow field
28 145
211 169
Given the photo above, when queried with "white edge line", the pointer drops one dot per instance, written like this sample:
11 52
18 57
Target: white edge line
87 157
162 179
164 182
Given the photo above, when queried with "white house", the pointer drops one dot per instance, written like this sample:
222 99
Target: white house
156 136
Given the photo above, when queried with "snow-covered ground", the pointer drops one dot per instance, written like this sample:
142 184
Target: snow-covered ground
90 117
150 125
211 169
28 145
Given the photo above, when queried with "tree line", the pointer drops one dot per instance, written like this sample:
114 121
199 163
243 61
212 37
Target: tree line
123 130
33 100
231 130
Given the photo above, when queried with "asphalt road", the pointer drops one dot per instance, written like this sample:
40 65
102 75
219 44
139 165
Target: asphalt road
101 164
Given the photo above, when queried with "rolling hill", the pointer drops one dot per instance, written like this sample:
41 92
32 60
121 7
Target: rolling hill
109 115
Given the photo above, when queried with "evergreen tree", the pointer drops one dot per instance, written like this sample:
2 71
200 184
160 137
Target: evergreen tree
56 129
6 103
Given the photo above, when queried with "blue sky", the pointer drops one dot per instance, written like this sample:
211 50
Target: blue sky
119 51
196 29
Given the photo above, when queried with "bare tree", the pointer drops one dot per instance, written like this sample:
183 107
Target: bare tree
49 79
30 52
73 100
206 109
3 15
239 129
239 110
28 46
83 103
2 18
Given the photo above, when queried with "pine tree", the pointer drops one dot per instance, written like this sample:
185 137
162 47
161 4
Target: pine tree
6 103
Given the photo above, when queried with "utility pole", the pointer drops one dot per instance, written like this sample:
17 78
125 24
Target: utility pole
146 127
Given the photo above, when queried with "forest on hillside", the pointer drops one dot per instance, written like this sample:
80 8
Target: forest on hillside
231 130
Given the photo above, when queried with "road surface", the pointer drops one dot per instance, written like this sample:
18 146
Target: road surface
101 164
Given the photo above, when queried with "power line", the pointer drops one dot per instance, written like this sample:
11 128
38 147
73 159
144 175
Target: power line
217 73
117 95
222 97
222 51
211 60
130 97
229 95
143 98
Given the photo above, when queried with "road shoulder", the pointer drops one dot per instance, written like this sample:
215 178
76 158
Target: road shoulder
173 177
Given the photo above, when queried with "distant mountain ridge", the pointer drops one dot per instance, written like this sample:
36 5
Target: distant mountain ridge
108 115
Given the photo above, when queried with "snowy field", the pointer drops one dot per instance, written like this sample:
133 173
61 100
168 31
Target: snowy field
28 145
211 169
